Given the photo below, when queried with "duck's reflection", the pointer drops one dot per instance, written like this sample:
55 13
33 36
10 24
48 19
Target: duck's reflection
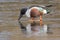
35 29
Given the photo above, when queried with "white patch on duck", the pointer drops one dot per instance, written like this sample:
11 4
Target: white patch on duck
45 11
39 8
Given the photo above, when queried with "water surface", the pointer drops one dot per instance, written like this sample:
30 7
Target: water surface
14 30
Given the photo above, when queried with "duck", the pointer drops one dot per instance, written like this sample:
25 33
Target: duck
34 12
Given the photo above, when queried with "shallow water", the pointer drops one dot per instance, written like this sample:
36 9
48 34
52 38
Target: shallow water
14 0
14 30
11 29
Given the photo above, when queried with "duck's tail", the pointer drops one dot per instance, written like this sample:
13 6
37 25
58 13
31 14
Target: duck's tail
49 6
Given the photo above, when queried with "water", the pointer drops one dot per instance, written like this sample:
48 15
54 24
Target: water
11 29
22 1
14 30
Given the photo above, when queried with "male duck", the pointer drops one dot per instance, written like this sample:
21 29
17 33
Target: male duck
33 12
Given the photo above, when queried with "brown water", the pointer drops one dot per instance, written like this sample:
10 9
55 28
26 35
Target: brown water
14 30
11 29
